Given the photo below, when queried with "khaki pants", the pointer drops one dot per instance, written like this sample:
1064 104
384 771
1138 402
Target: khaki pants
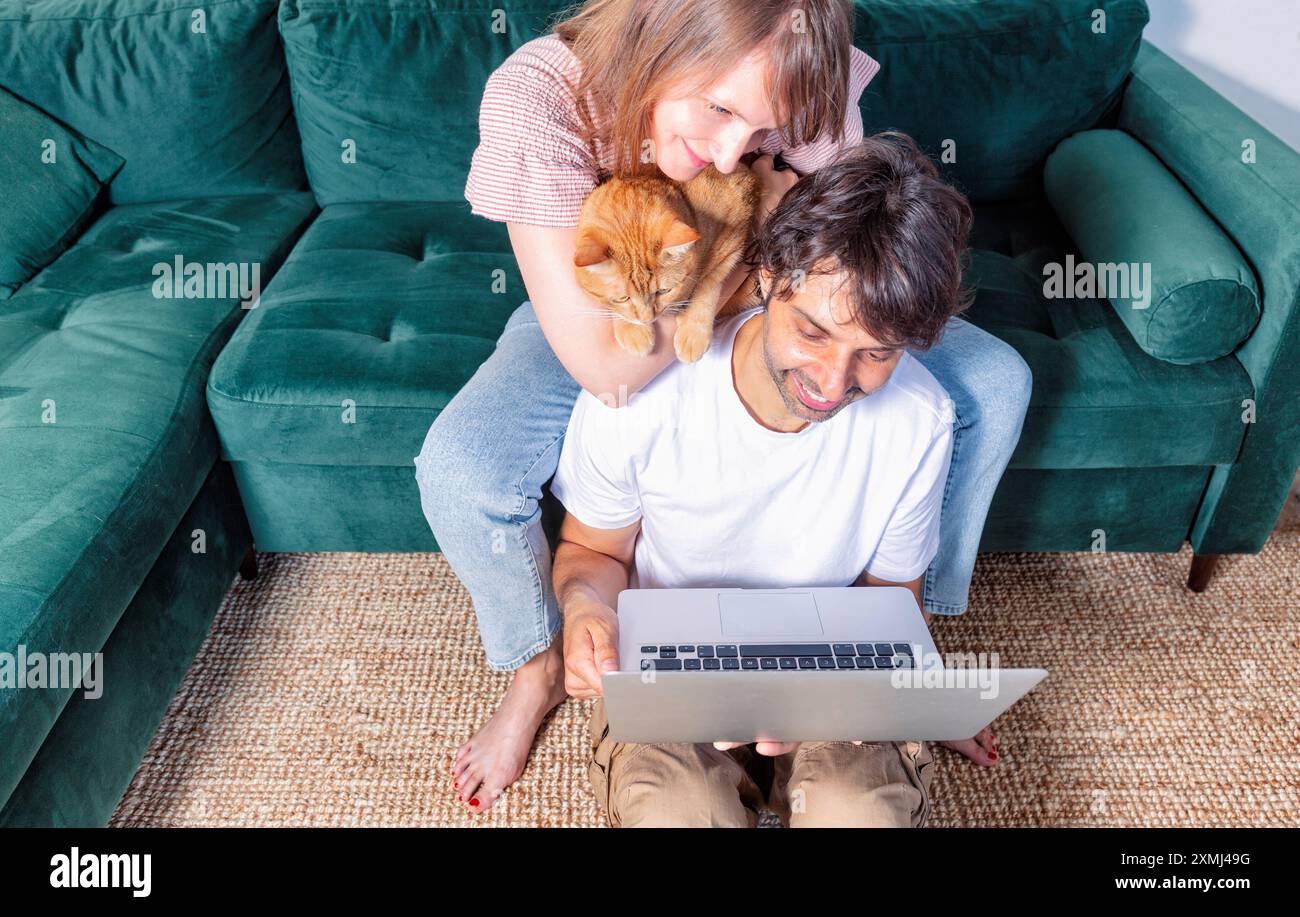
821 784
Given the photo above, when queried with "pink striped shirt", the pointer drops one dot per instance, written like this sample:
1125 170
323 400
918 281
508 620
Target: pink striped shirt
531 165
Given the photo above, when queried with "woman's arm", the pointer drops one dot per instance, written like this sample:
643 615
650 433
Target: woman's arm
574 324
581 338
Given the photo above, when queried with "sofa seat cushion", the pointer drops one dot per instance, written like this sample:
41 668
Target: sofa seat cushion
104 436
384 310
381 313
1098 400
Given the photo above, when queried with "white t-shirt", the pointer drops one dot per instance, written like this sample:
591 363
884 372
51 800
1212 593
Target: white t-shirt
724 501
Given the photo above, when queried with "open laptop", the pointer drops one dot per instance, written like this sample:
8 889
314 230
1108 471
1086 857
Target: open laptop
793 664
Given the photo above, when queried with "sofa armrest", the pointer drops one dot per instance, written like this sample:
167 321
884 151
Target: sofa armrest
1206 141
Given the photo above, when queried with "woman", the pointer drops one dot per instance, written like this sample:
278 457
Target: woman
674 85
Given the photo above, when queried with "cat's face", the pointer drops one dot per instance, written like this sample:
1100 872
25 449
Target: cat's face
635 252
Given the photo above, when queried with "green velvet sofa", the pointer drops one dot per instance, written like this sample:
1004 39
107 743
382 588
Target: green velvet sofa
147 442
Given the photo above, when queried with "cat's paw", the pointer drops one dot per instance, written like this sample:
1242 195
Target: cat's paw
637 339
692 339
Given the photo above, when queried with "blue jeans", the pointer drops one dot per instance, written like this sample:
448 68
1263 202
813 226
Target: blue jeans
497 442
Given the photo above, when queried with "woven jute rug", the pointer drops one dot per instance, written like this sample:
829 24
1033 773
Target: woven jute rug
334 688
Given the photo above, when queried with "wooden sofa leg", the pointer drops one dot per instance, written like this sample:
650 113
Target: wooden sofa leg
1198 578
248 566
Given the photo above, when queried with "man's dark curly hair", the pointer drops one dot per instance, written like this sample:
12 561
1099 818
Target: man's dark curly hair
882 215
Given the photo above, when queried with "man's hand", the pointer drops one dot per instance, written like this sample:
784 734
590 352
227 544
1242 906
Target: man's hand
775 185
590 647
771 749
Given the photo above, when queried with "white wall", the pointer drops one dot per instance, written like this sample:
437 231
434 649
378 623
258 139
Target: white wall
1248 50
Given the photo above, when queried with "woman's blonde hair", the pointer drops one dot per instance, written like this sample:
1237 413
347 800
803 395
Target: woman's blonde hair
633 50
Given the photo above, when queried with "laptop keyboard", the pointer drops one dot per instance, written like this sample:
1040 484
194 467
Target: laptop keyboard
775 657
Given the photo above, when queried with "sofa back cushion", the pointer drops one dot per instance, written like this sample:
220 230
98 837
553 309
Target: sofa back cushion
387 92
194 96
52 178
989 87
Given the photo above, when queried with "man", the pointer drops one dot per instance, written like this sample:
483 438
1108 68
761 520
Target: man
806 448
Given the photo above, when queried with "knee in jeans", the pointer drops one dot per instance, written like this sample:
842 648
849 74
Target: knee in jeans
999 390
448 473
433 464
1019 379
1012 376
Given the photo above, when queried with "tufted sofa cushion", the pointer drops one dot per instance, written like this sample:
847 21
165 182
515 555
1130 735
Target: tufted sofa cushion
104 441
388 306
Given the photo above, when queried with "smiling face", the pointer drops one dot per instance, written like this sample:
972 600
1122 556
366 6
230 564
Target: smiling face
717 124
817 356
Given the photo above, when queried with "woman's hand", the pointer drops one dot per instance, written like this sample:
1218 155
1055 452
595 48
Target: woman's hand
775 185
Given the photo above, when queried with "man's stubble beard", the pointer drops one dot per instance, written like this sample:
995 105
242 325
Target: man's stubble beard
792 403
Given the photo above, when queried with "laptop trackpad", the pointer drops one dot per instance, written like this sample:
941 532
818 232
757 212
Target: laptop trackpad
769 614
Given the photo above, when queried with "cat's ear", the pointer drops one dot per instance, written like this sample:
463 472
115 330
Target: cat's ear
678 239
589 250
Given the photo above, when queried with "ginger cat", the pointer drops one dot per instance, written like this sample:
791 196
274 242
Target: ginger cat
650 245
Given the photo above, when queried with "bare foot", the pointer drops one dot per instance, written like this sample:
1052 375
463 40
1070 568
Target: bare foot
494 757
980 749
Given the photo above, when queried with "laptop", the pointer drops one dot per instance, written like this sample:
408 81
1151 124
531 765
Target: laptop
793 665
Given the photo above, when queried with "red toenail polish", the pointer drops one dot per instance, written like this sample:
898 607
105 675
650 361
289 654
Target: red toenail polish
473 802
456 785
460 798
993 755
